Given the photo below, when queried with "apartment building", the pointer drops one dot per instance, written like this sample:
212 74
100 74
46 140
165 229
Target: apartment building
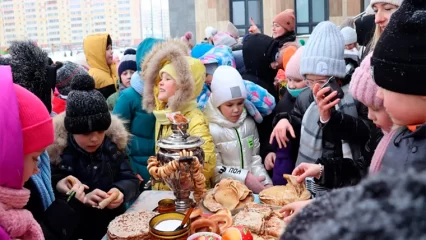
63 24
155 18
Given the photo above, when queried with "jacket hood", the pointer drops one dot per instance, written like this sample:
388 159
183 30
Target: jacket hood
94 48
116 132
214 115
28 63
143 49
190 74
259 51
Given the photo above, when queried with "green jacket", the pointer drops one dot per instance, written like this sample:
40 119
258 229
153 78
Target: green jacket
142 127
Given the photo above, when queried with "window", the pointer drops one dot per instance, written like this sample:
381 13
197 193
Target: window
10 30
8 12
100 30
76 25
53 33
125 28
74 6
124 21
76 19
100 24
243 10
309 13
98 17
31 28
32 34
54 39
53 20
364 4
52 14
9 18
9 24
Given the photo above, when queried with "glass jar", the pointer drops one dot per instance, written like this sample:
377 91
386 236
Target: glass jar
166 206
170 234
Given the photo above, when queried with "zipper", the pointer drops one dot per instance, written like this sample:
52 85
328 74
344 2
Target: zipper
241 148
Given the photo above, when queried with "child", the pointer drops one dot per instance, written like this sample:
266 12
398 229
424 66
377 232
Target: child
125 70
399 67
234 133
129 108
26 119
283 159
98 51
173 81
64 76
351 52
90 145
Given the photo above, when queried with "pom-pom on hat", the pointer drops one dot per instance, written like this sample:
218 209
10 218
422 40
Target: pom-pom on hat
87 110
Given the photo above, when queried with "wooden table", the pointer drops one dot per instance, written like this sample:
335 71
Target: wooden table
148 201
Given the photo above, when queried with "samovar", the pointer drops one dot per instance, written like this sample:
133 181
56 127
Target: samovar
178 164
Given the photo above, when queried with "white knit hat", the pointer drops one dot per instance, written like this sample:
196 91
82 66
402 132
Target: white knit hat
324 52
210 32
394 2
349 34
227 85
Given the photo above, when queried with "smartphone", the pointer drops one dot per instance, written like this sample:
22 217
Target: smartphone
334 86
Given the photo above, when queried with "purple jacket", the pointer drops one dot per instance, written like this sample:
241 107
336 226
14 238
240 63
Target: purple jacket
284 164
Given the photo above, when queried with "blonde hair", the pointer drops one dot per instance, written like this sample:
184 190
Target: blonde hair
377 34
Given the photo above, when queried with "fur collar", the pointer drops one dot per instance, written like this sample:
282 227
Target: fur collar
116 132
175 52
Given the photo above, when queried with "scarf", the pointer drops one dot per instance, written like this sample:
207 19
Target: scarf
287 37
43 182
376 161
16 221
311 133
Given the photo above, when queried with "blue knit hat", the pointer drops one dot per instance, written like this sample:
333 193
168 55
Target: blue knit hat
200 49
324 52
127 62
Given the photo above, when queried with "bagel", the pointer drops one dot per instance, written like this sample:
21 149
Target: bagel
223 221
204 223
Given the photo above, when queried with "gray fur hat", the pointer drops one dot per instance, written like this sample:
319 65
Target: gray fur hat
389 205
65 74
28 63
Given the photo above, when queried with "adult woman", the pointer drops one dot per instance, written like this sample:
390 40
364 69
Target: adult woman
283 31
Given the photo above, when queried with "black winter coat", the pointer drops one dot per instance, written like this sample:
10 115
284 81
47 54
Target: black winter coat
107 168
406 149
259 52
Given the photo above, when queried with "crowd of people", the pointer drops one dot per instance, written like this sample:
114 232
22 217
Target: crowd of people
345 113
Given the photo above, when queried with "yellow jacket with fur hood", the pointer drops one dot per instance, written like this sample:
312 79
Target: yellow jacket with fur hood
189 76
105 75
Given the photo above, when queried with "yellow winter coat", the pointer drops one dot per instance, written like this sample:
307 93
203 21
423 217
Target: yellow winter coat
105 75
189 74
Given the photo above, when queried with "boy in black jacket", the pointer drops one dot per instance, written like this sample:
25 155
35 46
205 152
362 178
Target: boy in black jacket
90 146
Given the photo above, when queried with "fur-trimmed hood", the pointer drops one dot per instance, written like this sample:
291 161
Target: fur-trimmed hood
190 74
116 132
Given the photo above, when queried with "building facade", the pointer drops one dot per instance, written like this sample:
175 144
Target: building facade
155 18
309 13
182 17
63 24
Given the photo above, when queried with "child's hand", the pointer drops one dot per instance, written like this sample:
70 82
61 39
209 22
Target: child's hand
305 170
255 183
270 160
95 197
66 186
118 201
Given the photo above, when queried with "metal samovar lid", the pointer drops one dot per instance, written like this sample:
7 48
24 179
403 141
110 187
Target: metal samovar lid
180 139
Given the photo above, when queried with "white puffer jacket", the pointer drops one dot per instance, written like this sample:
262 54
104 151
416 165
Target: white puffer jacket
237 146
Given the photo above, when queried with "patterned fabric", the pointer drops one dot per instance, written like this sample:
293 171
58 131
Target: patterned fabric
259 102
222 55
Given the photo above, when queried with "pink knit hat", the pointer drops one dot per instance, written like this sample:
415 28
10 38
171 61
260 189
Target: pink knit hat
286 20
36 123
362 86
293 66
25 127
